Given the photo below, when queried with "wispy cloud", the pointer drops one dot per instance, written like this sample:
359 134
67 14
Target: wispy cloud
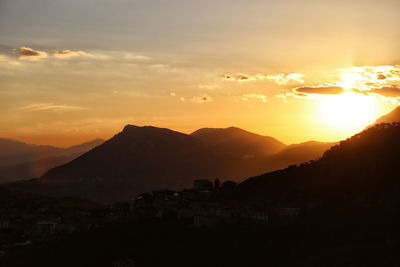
280 78
49 107
131 56
68 53
283 79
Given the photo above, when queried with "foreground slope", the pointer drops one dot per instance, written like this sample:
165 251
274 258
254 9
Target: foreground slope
362 168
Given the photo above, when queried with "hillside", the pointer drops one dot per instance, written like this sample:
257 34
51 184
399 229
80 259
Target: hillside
361 169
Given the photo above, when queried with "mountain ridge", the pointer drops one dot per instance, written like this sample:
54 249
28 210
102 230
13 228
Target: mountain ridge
238 141
145 158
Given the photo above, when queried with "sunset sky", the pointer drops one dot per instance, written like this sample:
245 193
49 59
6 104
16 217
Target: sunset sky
297 70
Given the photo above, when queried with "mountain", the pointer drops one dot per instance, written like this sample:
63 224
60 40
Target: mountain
21 161
260 154
136 160
358 172
239 142
393 116
142 159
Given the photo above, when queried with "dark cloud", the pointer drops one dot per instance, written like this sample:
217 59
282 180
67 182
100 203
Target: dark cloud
242 78
30 54
25 51
239 78
381 77
323 90
228 77
388 91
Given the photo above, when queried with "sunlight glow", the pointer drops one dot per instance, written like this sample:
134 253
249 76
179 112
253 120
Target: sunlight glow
347 112
349 80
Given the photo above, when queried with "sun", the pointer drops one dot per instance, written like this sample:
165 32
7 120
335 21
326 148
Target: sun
348 112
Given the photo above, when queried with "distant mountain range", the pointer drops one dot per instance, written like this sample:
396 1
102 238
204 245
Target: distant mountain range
19 161
142 159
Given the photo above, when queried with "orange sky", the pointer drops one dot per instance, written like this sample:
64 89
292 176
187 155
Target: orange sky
72 71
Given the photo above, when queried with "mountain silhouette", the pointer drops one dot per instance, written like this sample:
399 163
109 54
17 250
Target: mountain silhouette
362 170
239 142
136 160
142 159
21 161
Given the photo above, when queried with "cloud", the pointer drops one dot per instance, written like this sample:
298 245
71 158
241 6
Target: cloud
261 97
27 53
49 106
309 92
245 78
387 91
228 77
281 78
322 90
381 77
202 99
68 53
370 77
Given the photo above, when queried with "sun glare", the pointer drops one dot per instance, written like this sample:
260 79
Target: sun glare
347 112
349 80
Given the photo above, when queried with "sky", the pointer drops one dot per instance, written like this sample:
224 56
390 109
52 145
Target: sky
72 71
